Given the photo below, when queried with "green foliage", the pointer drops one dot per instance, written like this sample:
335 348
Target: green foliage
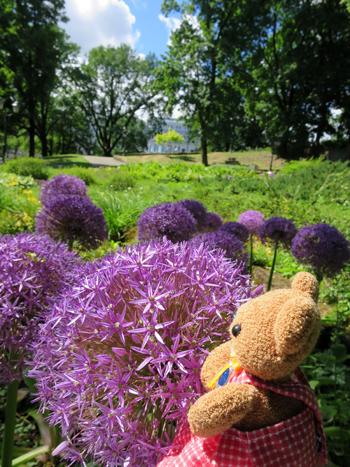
111 88
296 92
104 249
88 175
10 180
27 166
329 375
171 136
120 181
121 212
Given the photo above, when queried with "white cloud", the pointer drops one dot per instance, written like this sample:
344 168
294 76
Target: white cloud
172 23
100 22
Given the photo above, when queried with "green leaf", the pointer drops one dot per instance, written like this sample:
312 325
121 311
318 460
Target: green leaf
22 460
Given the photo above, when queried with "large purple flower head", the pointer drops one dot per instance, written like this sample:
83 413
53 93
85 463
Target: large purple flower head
72 219
197 210
278 230
33 271
220 240
323 247
118 360
252 220
62 185
237 229
170 220
212 221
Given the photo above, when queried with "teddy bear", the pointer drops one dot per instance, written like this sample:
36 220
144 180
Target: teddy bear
258 409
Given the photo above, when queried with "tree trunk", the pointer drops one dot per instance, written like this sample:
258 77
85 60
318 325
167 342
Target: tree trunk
31 132
204 146
107 151
44 144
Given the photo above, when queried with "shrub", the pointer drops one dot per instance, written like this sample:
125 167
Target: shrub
121 211
27 166
121 181
33 270
118 360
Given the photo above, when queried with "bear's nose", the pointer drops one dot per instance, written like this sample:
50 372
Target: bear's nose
236 330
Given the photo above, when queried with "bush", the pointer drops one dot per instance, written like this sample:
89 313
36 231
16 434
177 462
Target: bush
121 181
121 213
85 174
27 166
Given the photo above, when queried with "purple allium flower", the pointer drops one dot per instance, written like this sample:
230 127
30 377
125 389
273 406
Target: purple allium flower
197 210
220 240
170 220
237 229
323 247
72 218
62 185
119 358
252 220
33 270
212 221
278 230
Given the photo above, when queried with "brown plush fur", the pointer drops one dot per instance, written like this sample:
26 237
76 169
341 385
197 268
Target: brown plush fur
278 330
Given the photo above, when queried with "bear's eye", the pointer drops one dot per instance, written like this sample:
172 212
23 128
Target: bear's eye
236 330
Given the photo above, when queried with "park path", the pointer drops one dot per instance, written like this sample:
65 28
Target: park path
99 161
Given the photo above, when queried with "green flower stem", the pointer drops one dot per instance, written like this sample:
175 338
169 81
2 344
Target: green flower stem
251 255
22 460
272 267
10 423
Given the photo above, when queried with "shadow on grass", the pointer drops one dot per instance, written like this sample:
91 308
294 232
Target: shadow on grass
67 161
183 157
232 161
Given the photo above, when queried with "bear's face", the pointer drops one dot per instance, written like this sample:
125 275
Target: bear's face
272 334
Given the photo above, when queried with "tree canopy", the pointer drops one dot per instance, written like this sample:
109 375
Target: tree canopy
243 74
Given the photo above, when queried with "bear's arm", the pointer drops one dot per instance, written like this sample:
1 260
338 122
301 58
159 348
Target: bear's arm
216 360
216 411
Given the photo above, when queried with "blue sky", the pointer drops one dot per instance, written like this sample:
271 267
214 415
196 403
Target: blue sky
112 22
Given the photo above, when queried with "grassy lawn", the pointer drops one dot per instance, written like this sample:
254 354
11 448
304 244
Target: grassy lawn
67 160
259 158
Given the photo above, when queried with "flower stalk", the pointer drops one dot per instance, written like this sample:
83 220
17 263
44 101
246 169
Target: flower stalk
269 283
250 254
10 423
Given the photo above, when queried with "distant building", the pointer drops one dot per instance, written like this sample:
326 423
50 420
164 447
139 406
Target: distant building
179 126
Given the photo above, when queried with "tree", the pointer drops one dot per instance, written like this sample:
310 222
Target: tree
211 38
300 75
114 86
35 49
171 136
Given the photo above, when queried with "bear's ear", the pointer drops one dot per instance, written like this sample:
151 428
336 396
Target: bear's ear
297 325
306 283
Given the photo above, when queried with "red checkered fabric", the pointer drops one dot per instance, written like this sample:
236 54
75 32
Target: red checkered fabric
298 441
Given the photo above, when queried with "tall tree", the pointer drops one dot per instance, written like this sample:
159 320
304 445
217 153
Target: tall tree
300 75
35 49
114 87
212 36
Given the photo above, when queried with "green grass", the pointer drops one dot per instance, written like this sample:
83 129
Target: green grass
259 158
